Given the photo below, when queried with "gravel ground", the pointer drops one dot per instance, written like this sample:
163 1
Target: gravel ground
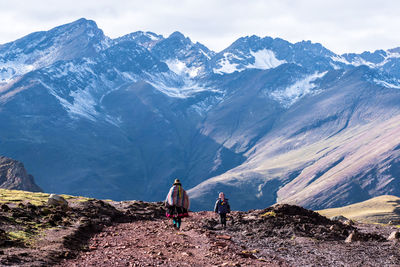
277 236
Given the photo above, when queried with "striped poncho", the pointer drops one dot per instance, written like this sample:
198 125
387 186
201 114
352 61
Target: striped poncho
177 196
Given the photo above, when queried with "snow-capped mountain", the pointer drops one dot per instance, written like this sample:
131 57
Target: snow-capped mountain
145 39
266 53
263 120
387 61
40 49
183 57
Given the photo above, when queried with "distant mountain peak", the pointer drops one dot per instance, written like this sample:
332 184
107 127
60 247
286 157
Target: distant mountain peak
82 24
177 34
84 21
151 35
14 176
81 38
145 39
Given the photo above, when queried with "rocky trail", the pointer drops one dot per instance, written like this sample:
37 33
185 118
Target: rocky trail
278 236
136 233
157 243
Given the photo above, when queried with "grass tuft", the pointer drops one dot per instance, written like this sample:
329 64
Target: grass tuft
269 214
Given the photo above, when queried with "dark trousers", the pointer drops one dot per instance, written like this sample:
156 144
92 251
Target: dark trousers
223 218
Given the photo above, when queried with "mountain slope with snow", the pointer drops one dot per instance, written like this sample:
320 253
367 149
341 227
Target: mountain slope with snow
264 120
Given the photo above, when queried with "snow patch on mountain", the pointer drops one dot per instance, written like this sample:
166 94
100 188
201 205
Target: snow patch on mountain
82 103
12 69
291 94
204 106
340 59
152 36
79 70
205 54
389 56
392 55
386 84
185 91
24 63
177 86
6 74
180 68
225 65
265 59
359 60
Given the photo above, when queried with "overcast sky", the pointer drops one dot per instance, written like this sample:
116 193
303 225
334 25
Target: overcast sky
340 25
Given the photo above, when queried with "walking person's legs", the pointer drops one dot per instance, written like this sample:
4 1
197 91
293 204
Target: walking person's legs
223 219
178 222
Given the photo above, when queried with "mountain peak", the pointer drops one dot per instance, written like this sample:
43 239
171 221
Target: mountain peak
394 50
80 23
177 35
150 35
145 39
81 38
14 176
84 21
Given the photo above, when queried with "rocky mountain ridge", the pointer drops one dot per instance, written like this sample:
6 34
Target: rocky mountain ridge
264 120
14 176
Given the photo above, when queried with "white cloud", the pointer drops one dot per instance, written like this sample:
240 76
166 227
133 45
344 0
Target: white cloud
340 25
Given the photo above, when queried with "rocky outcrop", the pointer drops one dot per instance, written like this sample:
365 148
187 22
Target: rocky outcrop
56 200
42 235
14 176
286 222
395 235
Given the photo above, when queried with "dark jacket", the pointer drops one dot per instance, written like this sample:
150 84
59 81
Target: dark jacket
222 206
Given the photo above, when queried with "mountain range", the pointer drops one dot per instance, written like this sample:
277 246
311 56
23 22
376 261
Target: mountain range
263 120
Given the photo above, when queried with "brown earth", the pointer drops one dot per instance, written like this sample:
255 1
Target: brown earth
278 236
136 233
41 236
157 243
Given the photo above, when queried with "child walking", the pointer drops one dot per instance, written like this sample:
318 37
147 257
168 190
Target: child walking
222 208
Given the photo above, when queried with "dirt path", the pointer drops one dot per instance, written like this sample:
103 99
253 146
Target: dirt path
282 235
157 243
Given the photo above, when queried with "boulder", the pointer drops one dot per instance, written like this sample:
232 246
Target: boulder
354 236
339 218
349 222
395 235
335 227
4 207
56 200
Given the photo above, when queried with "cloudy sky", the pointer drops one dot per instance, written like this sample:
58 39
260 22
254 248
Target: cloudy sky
340 25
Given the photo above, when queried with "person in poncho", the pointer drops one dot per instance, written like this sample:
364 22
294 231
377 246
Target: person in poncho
177 204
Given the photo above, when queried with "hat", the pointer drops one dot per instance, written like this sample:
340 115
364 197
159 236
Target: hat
177 182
